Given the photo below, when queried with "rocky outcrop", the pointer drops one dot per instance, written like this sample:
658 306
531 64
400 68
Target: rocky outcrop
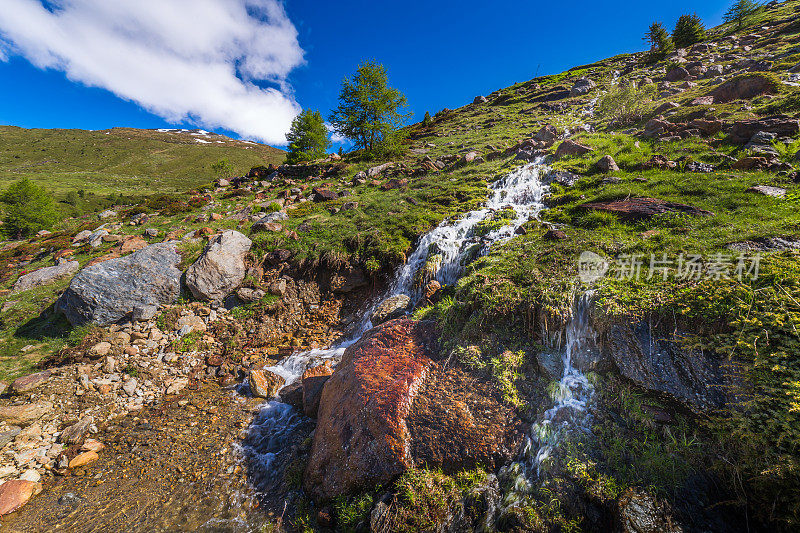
313 380
361 437
264 384
221 268
641 208
110 291
582 86
46 275
743 131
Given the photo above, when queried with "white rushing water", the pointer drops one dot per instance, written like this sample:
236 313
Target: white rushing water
570 395
450 246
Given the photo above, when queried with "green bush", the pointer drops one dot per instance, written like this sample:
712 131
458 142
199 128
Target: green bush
28 209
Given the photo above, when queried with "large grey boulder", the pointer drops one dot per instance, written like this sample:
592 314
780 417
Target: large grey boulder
46 275
110 291
221 268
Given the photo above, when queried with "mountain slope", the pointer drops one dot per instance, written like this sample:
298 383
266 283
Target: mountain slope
122 160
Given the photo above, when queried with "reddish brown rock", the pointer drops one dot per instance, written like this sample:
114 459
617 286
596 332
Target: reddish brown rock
16 493
394 183
570 147
751 163
313 380
641 208
361 437
458 422
783 126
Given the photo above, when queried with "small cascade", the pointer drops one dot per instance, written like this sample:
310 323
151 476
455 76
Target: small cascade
570 395
452 244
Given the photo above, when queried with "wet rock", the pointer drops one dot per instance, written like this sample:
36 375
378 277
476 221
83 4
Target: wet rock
30 382
83 459
26 414
264 384
434 286
361 437
642 513
642 208
46 275
390 308
551 365
743 88
221 267
76 433
313 380
562 177
16 493
293 395
109 291
571 148
607 164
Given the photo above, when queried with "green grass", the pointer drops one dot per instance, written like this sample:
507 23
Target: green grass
120 160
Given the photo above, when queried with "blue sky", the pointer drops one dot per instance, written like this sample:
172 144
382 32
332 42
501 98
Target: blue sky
441 54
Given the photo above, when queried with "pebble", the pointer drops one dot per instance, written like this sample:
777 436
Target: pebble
130 386
83 459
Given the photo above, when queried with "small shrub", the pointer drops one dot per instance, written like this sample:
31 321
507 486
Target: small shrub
28 209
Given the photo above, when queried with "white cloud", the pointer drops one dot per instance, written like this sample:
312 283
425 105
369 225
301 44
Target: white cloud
196 60
336 137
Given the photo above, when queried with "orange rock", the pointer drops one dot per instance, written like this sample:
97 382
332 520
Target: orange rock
132 244
83 459
265 384
92 445
16 493
113 255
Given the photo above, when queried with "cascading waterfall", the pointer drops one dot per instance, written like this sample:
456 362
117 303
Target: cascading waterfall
571 396
455 243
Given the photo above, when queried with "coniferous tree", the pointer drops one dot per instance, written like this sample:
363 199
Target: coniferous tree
688 30
427 120
369 111
659 40
739 11
308 137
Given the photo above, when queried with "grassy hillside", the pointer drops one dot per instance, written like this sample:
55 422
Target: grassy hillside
122 160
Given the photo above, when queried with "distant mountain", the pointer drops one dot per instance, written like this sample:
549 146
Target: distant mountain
123 160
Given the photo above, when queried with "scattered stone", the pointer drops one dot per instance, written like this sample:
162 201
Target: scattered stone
83 459
766 190
293 395
16 493
571 148
677 74
248 295
77 432
143 313
581 86
743 88
554 235
30 382
100 349
607 164
221 267
26 414
109 291
130 386
264 384
45 276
